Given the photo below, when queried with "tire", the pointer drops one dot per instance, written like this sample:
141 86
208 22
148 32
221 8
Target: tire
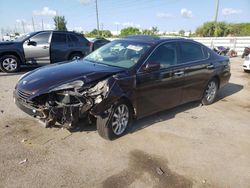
9 63
210 92
247 71
111 127
75 56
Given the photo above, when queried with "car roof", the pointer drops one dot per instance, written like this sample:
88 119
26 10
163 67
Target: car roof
153 39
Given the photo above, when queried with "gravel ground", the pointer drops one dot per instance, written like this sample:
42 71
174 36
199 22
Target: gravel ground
188 146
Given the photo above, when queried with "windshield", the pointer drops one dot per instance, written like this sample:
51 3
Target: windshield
123 54
23 37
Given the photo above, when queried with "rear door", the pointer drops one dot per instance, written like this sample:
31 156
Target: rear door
199 69
60 49
161 89
37 48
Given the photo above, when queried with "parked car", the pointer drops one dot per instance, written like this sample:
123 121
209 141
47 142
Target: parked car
124 80
42 47
221 50
246 64
97 43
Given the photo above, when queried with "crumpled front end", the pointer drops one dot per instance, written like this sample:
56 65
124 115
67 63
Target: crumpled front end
68 103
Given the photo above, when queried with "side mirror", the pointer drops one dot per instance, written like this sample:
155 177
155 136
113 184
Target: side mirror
31 43
152 66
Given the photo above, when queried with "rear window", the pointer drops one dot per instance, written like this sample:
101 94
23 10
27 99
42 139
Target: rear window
73 38
191 52
59 38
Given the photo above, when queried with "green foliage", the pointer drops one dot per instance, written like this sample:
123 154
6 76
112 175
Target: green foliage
102 33
60 23
130 31
222 29
153 31
182 32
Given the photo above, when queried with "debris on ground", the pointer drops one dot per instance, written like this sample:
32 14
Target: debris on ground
204 181
194 117
159 171
23 161
2 111
24 140
6 125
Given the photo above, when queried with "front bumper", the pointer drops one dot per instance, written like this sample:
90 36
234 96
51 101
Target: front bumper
25 107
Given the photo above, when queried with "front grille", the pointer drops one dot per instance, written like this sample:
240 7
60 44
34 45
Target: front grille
23 95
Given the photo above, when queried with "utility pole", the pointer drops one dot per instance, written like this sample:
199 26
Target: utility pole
97 17
33 24
42 25
23 26
216 10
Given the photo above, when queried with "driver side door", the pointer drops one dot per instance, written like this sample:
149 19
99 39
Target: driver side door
37 48
161 89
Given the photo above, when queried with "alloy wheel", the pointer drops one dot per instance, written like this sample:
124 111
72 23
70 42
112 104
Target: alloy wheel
9 64
211 91
120 119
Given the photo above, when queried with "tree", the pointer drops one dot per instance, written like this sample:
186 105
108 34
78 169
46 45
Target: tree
152 31
60 23
130 31
182 32
102 33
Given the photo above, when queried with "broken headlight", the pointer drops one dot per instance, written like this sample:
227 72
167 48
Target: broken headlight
77 84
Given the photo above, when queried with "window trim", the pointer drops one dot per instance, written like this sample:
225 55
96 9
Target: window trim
163 43
188 62
49 40
66 42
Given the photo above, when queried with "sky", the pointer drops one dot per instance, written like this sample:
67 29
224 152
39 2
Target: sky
167 15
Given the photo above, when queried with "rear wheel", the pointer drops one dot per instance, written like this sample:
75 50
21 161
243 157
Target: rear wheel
75 56
210 92
9 63
117 123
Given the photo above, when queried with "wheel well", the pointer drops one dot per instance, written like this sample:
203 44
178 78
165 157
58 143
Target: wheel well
11 53
218 80
75 52
129 103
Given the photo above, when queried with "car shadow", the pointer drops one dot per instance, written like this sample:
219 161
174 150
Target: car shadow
228 90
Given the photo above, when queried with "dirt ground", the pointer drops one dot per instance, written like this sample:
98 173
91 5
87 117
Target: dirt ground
188 146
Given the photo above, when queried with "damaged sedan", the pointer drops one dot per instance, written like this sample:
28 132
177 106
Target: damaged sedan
124 80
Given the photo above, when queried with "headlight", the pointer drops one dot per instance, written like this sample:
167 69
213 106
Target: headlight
72 85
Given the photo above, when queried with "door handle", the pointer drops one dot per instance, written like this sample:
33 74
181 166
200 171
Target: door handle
45 47
179 73
210 66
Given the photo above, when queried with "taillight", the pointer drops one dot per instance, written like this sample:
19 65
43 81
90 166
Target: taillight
89 44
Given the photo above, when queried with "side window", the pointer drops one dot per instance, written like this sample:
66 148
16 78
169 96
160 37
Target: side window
58 38
165 55
190 52
41 38
73 38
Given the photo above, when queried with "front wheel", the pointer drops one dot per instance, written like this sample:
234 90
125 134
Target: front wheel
117 123
210 92
9 63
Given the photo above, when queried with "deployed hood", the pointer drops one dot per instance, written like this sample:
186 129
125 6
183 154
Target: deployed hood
49 77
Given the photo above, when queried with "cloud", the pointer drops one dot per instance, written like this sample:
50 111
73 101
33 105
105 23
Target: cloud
85 2
164 15
229 11
185 13
46 11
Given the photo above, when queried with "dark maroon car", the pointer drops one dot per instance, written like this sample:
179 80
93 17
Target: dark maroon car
123 80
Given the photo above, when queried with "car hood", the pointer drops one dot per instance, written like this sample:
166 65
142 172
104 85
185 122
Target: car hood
47 78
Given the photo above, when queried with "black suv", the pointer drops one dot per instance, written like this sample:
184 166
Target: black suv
42 47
